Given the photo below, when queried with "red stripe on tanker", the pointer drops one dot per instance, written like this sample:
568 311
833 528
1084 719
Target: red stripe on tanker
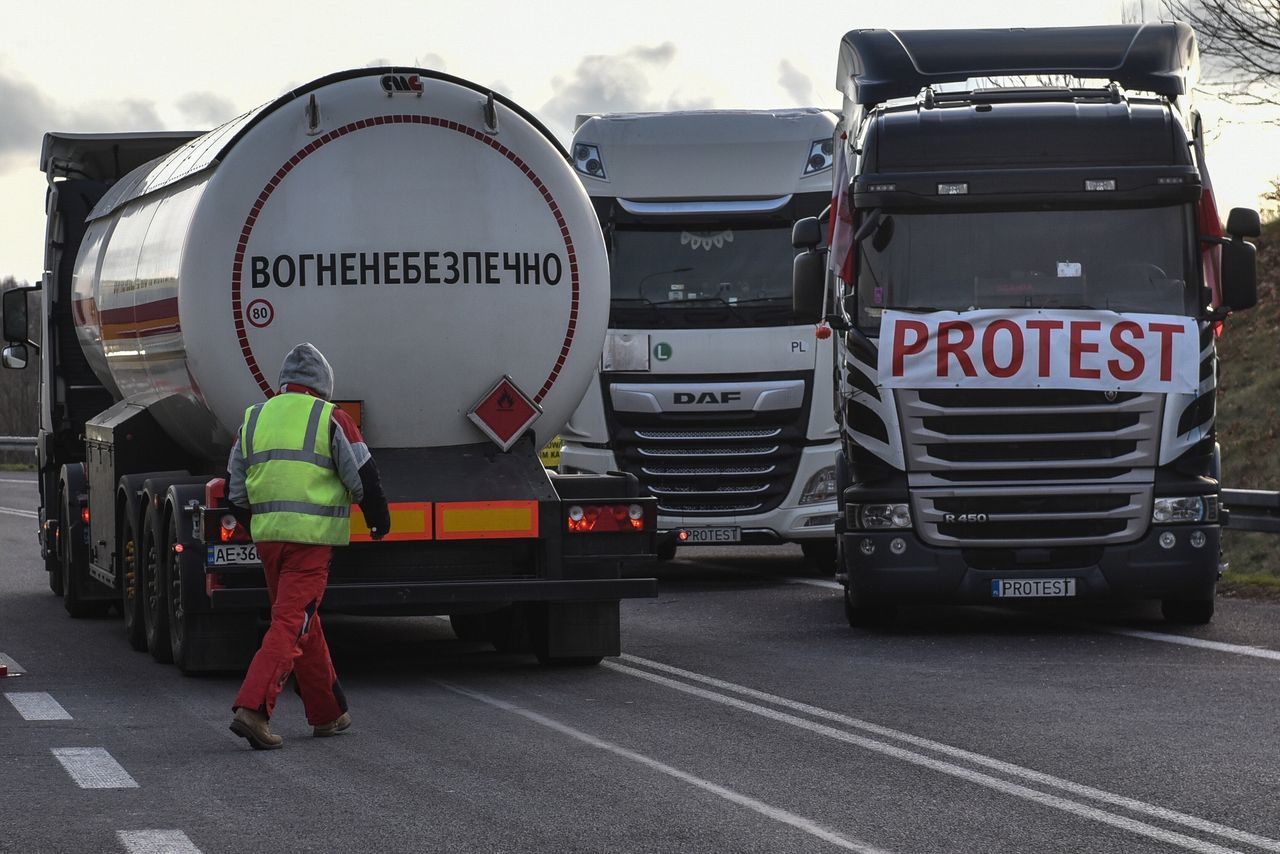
1036 348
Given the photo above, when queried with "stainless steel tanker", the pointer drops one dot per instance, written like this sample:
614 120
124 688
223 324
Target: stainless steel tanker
431 238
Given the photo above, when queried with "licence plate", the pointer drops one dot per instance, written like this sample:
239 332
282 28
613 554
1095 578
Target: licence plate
1032 588
233 553
704 536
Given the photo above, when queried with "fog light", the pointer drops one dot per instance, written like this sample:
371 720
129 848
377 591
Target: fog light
897 545
1168 540
1197 539
867 547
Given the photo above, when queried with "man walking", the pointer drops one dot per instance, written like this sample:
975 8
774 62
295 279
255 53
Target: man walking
297 465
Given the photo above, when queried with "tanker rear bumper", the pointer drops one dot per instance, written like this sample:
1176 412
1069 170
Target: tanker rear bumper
447 594
1139 570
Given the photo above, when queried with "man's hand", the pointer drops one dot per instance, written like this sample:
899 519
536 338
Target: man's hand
379 522
377 533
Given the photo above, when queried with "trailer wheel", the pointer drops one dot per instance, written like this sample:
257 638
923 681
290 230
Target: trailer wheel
155 611
864 612
1188 612
130 588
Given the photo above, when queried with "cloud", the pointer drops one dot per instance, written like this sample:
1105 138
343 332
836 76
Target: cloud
206 109
795 83
613 83
434 61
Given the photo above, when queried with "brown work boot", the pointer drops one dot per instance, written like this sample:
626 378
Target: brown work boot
255 727
333 727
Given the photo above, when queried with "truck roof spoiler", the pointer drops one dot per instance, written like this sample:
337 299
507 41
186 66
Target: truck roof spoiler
878 65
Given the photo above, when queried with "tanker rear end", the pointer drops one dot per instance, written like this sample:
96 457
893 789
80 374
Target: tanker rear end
430 237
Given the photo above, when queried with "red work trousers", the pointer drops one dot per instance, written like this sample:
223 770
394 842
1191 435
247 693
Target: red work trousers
296 577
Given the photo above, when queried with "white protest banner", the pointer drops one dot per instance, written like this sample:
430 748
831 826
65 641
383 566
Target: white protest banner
1040 348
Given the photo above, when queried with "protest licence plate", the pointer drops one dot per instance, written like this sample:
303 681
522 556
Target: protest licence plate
233 553
705 536
1032 588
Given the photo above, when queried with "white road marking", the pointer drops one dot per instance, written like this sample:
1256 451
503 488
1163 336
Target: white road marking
94 768
814 582
17 480
37 706
15 669
156 842
13 511
1182 640
1084 810
767 810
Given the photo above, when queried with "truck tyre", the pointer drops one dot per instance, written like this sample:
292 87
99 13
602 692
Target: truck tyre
667 551
151 587
1188 612
508 629
864 612
130 580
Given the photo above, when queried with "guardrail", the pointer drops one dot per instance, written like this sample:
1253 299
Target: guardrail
1252 510
17 443
1248 509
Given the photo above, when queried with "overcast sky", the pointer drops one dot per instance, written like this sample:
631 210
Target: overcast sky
82 65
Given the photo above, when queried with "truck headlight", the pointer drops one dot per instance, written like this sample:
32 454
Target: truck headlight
821 487
885 516
1187 509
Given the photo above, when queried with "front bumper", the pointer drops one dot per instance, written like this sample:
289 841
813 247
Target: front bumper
1140 570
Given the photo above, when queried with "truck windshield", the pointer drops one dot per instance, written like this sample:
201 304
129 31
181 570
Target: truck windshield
701 276
1134 260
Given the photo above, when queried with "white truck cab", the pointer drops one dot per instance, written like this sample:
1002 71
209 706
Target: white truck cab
710 391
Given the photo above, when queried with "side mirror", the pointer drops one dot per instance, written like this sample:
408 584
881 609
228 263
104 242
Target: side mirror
1242 222
806 233
14 305
808 284
15 356
1239 273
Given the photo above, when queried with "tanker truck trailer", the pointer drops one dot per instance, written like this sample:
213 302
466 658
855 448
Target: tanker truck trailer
430 237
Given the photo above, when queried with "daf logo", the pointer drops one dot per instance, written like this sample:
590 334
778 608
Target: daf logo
704 397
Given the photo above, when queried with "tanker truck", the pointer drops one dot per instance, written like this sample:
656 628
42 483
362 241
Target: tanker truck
711 391
1028 285
430 237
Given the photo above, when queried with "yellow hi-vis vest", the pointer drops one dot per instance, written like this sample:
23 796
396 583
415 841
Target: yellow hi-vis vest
294 490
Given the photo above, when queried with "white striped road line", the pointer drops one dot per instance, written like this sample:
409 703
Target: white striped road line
156 842
17 480
814 582
1182 640
13 511
94 768
37 706
1070 806
15 669
767 810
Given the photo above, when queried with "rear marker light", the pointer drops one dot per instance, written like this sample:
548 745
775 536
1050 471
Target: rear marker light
84 515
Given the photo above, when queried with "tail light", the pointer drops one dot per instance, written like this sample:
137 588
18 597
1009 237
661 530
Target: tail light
84 514
605 518
231 531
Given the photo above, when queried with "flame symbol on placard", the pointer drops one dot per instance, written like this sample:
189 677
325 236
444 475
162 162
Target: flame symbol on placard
505 400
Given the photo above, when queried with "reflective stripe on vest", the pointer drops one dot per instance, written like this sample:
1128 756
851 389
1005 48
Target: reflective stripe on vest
294 489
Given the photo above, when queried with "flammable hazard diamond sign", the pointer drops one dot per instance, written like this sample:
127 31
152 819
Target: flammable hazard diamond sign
504 412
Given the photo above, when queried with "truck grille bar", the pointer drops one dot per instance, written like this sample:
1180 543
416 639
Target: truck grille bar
1041 467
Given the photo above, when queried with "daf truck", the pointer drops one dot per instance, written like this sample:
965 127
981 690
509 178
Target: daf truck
1028 276
431 238
711 391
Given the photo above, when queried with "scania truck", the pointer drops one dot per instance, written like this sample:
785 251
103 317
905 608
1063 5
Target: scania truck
711 391
432 239
1029 274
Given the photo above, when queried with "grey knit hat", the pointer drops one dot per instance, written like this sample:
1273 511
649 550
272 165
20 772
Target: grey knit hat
305 365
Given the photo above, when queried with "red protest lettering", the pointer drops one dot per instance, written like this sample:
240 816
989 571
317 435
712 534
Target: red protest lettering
901 349
1044 328
1079 347
1137 363
946 347
1166 331
1015 348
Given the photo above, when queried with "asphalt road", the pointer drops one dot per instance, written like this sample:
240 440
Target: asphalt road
745 716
